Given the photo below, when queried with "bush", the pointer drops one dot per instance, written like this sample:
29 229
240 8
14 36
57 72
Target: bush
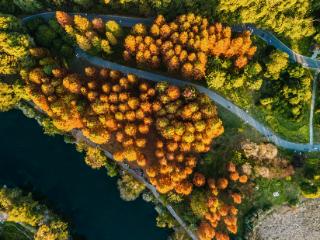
95 158
130 189
51 35
198 203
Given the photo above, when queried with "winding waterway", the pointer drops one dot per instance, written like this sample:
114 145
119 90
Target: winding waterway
56 172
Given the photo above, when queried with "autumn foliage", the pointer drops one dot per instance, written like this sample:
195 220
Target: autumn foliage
96 36
222 204
185 44
159 127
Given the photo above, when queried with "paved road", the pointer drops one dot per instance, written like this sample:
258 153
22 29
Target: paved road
78 136
314 96
122 20
266 36
313 101
271 39
213 95
140 177
157 195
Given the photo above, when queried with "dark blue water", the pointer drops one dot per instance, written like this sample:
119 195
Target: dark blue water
57 174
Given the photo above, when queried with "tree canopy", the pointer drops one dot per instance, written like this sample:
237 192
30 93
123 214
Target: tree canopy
289 18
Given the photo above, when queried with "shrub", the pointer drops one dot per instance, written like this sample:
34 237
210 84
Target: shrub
130 189
95 158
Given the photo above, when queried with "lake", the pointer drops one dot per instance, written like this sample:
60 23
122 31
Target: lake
57 175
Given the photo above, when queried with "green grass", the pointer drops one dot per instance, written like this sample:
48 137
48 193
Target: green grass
256 198
279 123
266 188
316 134
286 128
296 131
263 198
291 130
13 231
235 131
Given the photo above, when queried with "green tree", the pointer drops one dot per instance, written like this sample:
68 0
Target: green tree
198 203
174 197
216 78
112 168
19 207
253 69
45 35
9 23
130 188
14 46
57 3
276 64
179 234
165 219
10 95
28 6
290 93
289 18
83 3
95 158
7 8
315 6
55 230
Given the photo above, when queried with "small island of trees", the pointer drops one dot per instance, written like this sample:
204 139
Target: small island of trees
21 217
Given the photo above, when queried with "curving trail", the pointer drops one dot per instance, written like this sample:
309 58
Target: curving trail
264 35
213 95
271 39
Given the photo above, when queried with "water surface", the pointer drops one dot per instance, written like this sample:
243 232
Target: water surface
57 174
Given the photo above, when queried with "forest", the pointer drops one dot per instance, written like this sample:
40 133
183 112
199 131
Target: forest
202 161
20 208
